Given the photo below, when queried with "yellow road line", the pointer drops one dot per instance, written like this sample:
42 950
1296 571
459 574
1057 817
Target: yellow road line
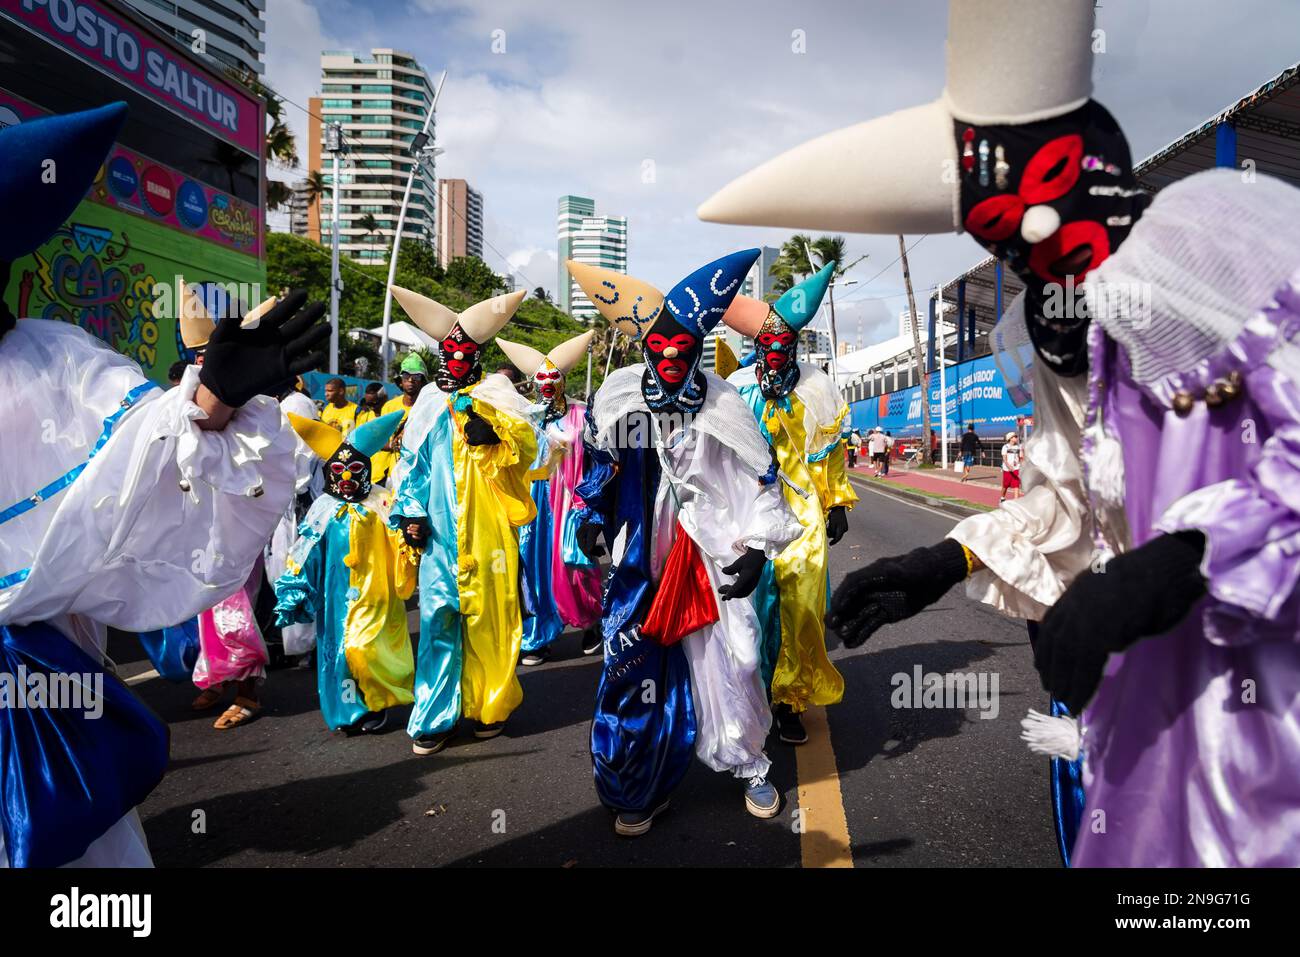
824 840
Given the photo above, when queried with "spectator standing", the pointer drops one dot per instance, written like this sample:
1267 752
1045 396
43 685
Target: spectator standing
338 412
889 450
970 450
1011 456
876 446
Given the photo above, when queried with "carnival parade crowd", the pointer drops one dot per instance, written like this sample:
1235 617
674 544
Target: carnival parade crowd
681 520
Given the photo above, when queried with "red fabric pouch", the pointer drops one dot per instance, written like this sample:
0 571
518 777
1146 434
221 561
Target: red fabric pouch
684 601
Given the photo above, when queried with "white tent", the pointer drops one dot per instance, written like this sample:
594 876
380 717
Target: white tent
403 334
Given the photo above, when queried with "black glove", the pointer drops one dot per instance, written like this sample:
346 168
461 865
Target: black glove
837 523
747 569
1142 593
240 363
589 540
891 589
478 431
421 532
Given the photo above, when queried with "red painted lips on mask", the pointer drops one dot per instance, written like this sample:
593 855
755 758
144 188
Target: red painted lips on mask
459 368
671 370
1075 249
776 360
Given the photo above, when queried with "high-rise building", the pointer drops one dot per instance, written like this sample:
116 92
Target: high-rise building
460 221
298 209
587 238
381 101
758 283
232 29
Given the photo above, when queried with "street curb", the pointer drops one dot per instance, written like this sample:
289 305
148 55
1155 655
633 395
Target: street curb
912 495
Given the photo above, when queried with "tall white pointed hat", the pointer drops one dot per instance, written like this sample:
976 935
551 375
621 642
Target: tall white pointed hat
1009 62
481 321
563 357
197 324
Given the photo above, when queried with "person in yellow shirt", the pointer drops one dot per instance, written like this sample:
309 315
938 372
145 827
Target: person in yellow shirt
338 412
372 403
414 376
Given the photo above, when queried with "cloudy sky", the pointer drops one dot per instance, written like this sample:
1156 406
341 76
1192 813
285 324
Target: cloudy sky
649 107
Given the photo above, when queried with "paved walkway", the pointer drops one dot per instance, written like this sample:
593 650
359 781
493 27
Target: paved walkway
982 488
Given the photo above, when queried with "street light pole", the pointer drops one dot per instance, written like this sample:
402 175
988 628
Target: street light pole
334 145
943 384
419 150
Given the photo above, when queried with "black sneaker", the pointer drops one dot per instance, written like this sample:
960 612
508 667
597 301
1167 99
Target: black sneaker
432 743
636 823
374 722
482 730
532 658
591 641
790 726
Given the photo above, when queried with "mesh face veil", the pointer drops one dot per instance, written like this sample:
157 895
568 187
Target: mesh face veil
460 361
777 368
1053 199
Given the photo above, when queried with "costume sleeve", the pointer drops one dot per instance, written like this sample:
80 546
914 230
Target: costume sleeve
830 474
412 495
1252 525
506 465
1034 546
298 590
596 490
406 565
726 508
166 520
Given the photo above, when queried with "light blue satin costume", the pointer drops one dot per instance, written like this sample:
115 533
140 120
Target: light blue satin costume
535 539
438 659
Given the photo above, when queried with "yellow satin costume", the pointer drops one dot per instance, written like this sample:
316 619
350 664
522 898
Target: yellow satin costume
803 674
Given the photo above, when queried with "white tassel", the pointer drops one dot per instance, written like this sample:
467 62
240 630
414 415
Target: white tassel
1056 737
1106 467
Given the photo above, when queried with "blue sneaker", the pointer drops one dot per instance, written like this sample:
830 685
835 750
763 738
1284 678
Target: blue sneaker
761 798
636 823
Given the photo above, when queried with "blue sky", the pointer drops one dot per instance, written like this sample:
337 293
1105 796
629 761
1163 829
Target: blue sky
648 108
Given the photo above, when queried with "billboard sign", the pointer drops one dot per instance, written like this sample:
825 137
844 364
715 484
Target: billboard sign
977 393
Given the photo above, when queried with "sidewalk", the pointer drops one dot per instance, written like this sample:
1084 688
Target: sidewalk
980 492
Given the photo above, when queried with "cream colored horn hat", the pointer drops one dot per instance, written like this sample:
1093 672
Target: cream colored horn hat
1009 62
481 321
197 324
563 357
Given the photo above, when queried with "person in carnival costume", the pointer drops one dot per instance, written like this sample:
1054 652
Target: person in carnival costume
564 582
801 414
461 494
1179 654
101 525
351 574
685 489
231 649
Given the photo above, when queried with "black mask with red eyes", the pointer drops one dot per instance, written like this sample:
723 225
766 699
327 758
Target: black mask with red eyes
550 389
1053 199
347 474
778 366
672 381
460 361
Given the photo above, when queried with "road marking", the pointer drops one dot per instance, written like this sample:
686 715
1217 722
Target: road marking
141 678
824 841
862 483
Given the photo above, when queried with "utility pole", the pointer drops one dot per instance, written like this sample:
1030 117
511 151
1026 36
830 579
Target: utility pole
919 356
943 383
334 146
421 150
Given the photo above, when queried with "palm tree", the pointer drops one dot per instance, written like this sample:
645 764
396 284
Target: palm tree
541 295
369 224
315 189
918 355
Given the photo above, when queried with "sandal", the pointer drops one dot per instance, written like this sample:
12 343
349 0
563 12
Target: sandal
208 698
242 711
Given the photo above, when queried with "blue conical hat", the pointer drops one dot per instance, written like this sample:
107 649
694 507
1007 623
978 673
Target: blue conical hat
698 301
46 167
801 301
374 435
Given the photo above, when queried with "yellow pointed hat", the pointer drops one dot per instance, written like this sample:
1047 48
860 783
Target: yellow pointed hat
631 305
724 360
322 439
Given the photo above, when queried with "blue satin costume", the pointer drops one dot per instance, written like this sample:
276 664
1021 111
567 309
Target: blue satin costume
173 651
438 658
640 750
535 539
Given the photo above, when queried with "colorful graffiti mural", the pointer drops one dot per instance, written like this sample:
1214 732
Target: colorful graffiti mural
100 272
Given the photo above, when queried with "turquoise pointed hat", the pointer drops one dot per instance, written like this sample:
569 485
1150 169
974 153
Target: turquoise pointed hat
801 302
374 435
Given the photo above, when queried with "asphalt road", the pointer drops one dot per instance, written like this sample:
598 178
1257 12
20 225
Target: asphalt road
920 787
